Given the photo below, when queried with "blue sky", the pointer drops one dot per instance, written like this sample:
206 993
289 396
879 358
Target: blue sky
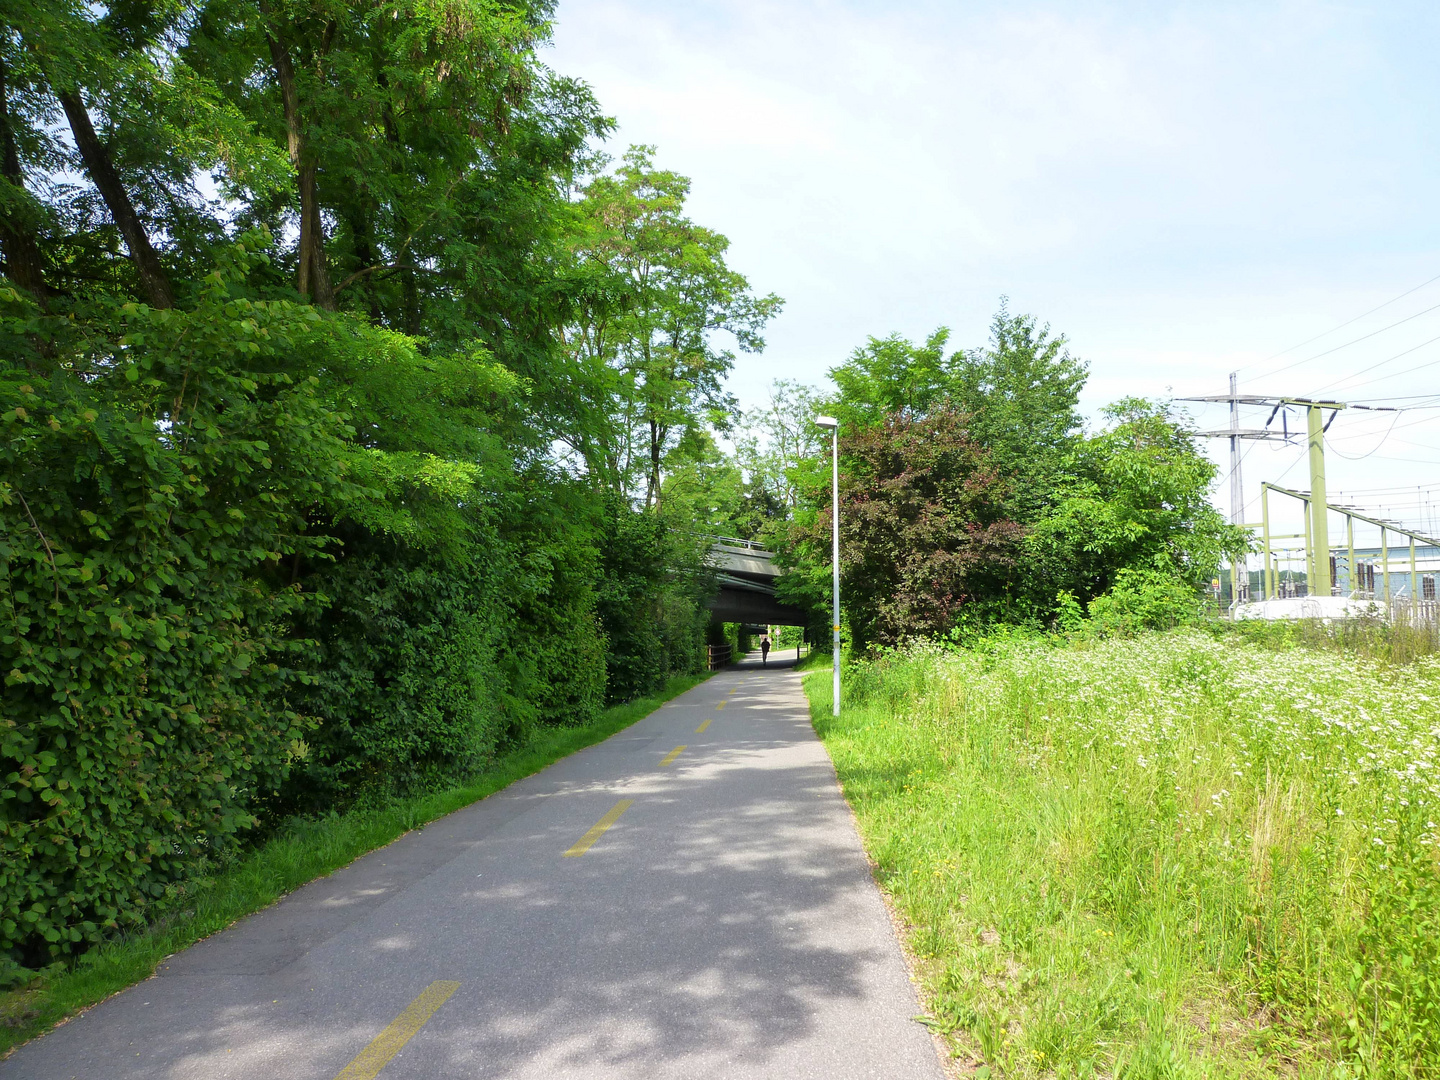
1182 189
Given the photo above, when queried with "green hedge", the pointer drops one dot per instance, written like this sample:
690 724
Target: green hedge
152 474
260 561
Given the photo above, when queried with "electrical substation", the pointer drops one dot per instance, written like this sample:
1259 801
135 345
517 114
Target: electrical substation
1367 566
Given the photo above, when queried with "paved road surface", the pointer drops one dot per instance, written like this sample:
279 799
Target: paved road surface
723 926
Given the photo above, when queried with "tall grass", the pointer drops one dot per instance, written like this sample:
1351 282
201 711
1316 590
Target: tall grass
1380 641
1163 857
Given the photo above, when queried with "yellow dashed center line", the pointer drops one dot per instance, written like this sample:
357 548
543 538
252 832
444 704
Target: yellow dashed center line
671 756
598 829
387 1044
703 726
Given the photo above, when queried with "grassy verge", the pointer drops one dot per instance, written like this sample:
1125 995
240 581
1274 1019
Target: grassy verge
817 657
1370 639
1172 856
300 853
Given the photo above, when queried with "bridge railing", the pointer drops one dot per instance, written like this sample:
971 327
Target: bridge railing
735 541
717 656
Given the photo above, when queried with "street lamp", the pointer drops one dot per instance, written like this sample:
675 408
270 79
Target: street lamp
834 426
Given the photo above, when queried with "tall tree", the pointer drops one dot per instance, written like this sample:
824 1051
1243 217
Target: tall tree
1020 392
154 279
677 292
143 129
779 439
1022 395
1134 495
79 49
281 38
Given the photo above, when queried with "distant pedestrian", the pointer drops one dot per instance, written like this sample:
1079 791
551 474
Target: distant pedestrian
764 649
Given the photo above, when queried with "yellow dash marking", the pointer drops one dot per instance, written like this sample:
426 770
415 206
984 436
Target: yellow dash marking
703 726
721 705
671 756
402 1029
598 829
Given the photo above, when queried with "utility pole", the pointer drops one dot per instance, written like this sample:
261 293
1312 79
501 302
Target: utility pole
1239 565
1319 507
834 426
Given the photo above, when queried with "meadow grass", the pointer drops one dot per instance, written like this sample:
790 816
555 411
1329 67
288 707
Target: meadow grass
1171 856
300 851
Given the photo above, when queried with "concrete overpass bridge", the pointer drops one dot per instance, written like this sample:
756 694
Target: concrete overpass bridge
747 573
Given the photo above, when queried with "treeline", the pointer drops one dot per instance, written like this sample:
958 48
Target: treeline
972 496
342 379
360 417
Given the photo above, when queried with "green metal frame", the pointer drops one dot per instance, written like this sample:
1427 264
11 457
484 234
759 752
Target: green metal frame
1314 533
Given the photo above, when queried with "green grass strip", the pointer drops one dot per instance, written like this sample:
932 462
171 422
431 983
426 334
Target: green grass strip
1172 856
300 853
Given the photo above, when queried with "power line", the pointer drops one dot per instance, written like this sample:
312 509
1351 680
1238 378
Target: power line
1401 489
1402 397
1407 460
1333 329
1398 427
1381 443
1418 445
1381 364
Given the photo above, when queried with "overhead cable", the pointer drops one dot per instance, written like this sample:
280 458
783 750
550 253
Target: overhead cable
1334 329
1381 364
1362 457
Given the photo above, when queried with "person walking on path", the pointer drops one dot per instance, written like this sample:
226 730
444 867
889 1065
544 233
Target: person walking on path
764 649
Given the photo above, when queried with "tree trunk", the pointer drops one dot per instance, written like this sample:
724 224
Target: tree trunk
23 264
153 279
652 488
409 290
360 233
312 279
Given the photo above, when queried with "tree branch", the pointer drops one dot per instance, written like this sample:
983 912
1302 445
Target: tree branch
54 570
383 266
153 279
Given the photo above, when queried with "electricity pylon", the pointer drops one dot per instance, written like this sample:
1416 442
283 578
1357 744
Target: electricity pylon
1316 426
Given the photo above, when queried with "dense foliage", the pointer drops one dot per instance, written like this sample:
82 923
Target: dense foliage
149 674
972 495
361 419
922 532
341 387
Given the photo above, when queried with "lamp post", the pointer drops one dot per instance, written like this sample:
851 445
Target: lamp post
834 426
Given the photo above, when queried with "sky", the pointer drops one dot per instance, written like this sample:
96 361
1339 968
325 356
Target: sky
1182 189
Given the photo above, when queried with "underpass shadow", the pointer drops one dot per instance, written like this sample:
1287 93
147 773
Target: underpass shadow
779 660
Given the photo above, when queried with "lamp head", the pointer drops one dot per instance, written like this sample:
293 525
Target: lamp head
827 422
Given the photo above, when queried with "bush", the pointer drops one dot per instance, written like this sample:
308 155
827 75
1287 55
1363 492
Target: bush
153 479
1144 599
651 583
923 532
408 680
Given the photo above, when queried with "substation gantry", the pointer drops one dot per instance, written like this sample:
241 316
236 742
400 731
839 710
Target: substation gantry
1319 558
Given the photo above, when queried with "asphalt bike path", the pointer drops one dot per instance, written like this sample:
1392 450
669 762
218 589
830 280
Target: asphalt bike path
686 899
